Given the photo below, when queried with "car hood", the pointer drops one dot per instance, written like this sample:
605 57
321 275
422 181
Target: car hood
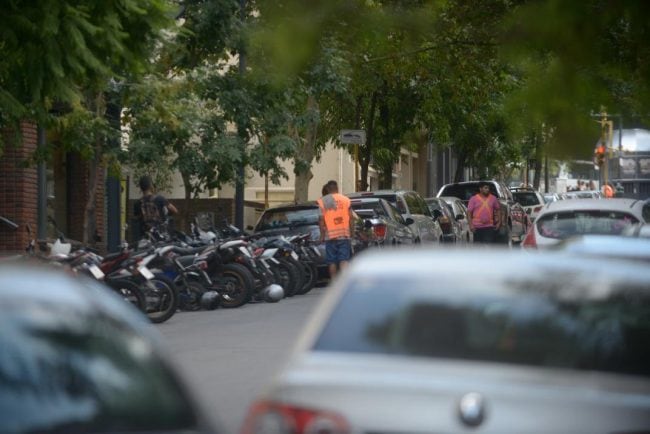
404 394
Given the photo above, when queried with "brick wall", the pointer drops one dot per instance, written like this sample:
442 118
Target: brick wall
18 188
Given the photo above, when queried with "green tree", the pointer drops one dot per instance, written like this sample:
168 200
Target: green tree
575 57
60 57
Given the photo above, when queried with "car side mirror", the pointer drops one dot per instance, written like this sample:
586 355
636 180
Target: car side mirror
460 217
408 221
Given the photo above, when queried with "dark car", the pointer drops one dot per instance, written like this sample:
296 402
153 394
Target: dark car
388 225
451 231
75 357
303 219
462 217
511 211
410 205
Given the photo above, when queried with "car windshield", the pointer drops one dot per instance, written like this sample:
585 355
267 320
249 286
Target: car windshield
526 198
284 218
464 191
566 224
541 328
368 209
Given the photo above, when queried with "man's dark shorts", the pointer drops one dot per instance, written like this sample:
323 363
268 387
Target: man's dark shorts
485 235
338 250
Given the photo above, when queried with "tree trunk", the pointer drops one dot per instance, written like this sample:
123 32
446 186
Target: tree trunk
90 236
187 212
305 156
90 219
366 150
460 167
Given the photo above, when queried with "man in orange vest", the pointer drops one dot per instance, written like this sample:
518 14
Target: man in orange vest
484 215
336 228
608 191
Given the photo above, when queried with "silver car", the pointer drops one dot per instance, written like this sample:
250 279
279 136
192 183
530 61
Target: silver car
572 217
411 342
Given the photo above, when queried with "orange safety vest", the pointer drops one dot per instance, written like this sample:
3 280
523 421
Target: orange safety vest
485 205
608 191
337 218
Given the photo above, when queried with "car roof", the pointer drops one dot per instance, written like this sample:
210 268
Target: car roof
615 204
385 192
495 261
366 199
293 206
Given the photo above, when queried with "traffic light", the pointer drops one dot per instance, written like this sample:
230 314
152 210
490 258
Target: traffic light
600 155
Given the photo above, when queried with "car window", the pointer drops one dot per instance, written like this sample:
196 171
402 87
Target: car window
400 204
645 212
414 205
368 209
562 225
395 214
90 374
282 218
526 198
608 333
461 191
465 191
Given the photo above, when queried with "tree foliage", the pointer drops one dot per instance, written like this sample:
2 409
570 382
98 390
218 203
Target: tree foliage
54 50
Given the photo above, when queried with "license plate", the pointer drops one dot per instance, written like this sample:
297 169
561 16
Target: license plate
294 255
145 272
96 272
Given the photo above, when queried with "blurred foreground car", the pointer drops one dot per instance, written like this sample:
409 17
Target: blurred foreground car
572 217
76 358
410 342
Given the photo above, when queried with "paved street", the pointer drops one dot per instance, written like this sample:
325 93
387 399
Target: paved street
229 354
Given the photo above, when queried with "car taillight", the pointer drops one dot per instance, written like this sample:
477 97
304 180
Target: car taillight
380 231
274 418
530 242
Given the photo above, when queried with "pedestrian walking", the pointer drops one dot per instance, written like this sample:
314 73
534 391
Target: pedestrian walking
152 209
484 215
336 228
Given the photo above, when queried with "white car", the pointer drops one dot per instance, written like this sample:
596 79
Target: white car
567 218
411 342
531 200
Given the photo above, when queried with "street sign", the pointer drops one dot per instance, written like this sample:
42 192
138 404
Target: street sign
353 137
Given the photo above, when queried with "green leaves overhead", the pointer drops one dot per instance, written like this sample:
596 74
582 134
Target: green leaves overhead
52 50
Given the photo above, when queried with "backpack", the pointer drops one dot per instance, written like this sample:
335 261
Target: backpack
150 212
